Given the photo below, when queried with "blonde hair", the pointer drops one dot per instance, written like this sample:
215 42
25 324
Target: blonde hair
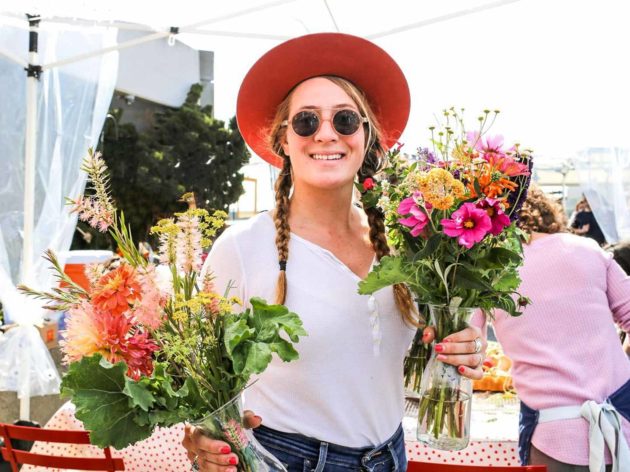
373 161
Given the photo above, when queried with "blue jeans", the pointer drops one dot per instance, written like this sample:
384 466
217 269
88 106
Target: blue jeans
301 454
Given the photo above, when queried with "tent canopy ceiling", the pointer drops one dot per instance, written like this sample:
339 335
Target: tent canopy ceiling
554 68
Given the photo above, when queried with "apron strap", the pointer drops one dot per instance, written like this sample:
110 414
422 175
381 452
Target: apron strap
605 427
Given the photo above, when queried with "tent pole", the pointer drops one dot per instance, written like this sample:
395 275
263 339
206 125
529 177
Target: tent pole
33 72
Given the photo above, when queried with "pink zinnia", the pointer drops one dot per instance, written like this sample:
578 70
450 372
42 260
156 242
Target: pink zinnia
469 224
498 218
417 218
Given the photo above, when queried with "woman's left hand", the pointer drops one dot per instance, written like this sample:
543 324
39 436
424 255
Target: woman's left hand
466 349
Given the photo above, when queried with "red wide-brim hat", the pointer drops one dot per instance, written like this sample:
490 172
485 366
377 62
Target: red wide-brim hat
356 59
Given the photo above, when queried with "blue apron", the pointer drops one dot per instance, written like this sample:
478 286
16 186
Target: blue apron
528 419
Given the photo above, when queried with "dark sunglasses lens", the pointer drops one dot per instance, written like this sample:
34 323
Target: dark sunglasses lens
346 122
305 123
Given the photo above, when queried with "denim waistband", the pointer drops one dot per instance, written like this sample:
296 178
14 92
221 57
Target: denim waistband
335 453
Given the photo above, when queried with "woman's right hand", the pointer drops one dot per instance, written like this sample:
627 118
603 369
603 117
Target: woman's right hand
212 455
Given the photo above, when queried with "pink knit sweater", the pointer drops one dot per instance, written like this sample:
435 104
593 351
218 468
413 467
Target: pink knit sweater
564 347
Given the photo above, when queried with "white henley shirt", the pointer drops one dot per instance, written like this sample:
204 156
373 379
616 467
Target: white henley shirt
341 390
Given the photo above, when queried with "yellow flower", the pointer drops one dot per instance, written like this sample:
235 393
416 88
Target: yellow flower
442 203
440 188
180 316
464 154
459 189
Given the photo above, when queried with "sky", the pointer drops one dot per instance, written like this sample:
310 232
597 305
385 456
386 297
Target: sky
557 70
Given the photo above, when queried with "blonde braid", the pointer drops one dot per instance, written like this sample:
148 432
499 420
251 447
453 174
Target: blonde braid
283 232
402 295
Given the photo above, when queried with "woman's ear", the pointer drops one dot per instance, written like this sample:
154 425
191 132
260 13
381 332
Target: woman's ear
285 145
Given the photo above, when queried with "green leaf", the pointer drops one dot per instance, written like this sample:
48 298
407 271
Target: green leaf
508 282
285 350
477 187
166 418
465 278
370 198
507 304
432 244
97 388
139 393
258 358
504 256
388 272
269 320
292 325
236 332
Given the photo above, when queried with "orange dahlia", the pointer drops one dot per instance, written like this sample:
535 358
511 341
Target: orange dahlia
116 290
90 332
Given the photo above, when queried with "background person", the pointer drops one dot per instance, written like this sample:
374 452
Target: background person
564 348
585 224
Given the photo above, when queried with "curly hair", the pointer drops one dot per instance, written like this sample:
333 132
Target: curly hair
621 254
541 214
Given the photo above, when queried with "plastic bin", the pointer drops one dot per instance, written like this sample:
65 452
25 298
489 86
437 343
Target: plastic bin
77 260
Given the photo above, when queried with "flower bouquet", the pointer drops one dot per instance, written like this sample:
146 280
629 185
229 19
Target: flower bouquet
146 351
450 214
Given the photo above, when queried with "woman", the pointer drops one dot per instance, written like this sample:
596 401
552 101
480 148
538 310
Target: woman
585 224
567 358
324 108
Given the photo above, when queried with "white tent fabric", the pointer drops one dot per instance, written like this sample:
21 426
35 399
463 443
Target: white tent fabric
72 102
601 173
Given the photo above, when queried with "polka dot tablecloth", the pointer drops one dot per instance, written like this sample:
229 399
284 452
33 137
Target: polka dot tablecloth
477 453
494 432
161 452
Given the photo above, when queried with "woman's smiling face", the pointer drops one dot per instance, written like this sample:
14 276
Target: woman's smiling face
326 159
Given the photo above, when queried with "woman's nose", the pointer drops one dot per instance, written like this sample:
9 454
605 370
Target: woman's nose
326 131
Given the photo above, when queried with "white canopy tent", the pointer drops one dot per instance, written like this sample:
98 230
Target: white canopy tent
554 68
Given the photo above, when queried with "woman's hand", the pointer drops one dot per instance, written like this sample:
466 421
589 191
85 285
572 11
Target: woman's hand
212 455
465 349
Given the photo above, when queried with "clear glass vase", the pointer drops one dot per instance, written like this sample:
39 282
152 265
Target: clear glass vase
226 424
445 396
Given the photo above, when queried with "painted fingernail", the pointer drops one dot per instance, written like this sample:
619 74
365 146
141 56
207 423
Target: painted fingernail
438 348
461 369
446 340
441 357
233 460
225 450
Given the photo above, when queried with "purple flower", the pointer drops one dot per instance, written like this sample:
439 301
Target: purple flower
498 218
469 224
417 218
425 155
517 198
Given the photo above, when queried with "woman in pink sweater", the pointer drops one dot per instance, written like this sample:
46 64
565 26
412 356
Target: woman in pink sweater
565 348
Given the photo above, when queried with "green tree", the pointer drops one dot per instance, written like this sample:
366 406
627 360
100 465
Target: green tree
201 152
187 150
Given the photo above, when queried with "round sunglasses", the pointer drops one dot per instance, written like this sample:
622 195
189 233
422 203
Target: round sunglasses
307 122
